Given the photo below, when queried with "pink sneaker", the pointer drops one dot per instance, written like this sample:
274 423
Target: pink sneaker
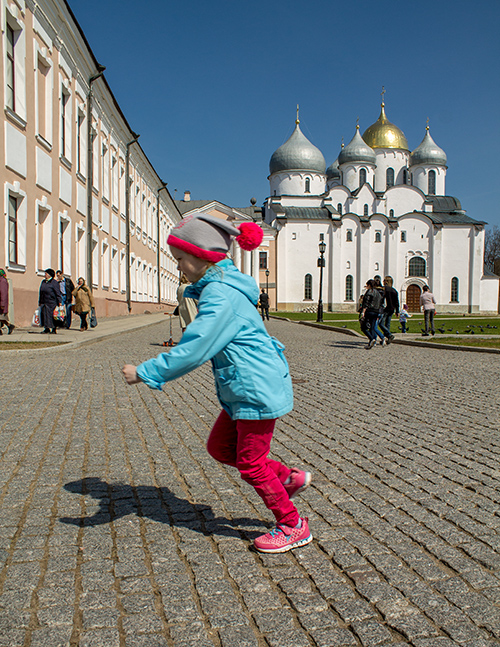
299 480
283 538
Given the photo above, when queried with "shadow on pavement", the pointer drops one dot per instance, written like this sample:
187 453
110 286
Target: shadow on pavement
117 500
348 344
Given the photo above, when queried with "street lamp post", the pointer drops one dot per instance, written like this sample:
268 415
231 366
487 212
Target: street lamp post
321 265
127 219
90 174
267 281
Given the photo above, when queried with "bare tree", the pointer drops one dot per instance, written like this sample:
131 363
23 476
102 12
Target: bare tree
492 249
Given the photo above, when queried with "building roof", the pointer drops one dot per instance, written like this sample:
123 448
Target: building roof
357 151
428 152
383 134
297 154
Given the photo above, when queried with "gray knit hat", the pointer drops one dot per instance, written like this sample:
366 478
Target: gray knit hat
208 237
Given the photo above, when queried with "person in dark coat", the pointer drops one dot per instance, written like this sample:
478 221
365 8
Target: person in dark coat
391 307
264 304
4 303
48 298
66 287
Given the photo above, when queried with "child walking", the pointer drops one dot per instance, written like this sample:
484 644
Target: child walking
251 373
404 315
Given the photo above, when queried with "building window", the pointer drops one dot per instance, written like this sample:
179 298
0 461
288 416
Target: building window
308 287
405 176
348 236
416 266
349 288
10 74
339 208
403 236
13 240
432 182
308 185
262 260
378 236
365 210
362 177
454 290
43 100
391 213
64 123
389 177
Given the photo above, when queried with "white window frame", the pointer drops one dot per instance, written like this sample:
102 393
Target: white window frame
21 222
43 236
64 241
19 63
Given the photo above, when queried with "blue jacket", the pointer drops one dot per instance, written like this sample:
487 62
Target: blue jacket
251 373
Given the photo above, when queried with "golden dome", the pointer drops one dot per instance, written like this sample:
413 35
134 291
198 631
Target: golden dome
383 134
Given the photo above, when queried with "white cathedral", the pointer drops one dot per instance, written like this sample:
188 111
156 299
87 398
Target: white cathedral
381 210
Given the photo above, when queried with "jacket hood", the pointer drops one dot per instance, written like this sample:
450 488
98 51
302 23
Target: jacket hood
225 272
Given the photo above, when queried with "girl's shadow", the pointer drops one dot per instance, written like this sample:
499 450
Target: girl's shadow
118 500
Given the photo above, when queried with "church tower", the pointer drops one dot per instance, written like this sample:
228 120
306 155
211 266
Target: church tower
428 166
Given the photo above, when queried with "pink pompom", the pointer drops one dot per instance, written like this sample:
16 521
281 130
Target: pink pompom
251 236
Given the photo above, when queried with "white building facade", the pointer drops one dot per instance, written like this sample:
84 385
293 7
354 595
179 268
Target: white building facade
381 210
63 207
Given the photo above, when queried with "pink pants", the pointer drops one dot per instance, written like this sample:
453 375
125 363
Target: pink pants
245 444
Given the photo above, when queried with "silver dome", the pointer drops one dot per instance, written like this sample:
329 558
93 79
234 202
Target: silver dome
428 153
297 154
332 172
357 151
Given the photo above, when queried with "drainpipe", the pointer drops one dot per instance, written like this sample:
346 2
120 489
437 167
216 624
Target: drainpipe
127 218
163 186
90 173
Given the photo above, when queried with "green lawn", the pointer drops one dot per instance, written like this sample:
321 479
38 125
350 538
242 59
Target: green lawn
469 341
19 345
450 324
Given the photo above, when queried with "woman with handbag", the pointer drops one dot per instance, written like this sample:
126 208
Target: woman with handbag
84 302
48 299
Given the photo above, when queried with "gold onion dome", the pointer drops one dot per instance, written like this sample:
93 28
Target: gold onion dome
383 134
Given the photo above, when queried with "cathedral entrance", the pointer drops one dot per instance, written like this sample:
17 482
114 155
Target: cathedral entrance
413 293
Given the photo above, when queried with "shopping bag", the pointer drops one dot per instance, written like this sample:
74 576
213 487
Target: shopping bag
59 313
36 318
93 318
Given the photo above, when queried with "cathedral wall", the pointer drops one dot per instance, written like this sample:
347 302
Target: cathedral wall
403 199
297 183
388 158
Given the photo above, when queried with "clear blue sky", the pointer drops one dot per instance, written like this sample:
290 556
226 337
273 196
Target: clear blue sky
212 87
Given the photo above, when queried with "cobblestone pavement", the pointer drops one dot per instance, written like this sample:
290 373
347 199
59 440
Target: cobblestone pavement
117 528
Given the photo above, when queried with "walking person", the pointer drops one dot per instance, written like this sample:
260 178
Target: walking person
229 332
391 306
4 303
187 308
404 315
84 302
428 303
264 304
377 284
66 287
48 298
370 311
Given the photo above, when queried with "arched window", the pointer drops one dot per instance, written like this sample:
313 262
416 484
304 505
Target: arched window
308 185
348 288
365 210
348 236
432 182
308 290
405 176
454 289
389 177
378 237
391 213
339 208
362 177
416 266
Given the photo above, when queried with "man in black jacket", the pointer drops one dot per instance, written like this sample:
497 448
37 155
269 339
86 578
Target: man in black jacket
391 307
264 304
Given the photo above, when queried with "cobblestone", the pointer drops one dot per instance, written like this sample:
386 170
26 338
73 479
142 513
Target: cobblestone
117 528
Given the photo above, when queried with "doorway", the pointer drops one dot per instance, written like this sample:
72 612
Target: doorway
413 293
